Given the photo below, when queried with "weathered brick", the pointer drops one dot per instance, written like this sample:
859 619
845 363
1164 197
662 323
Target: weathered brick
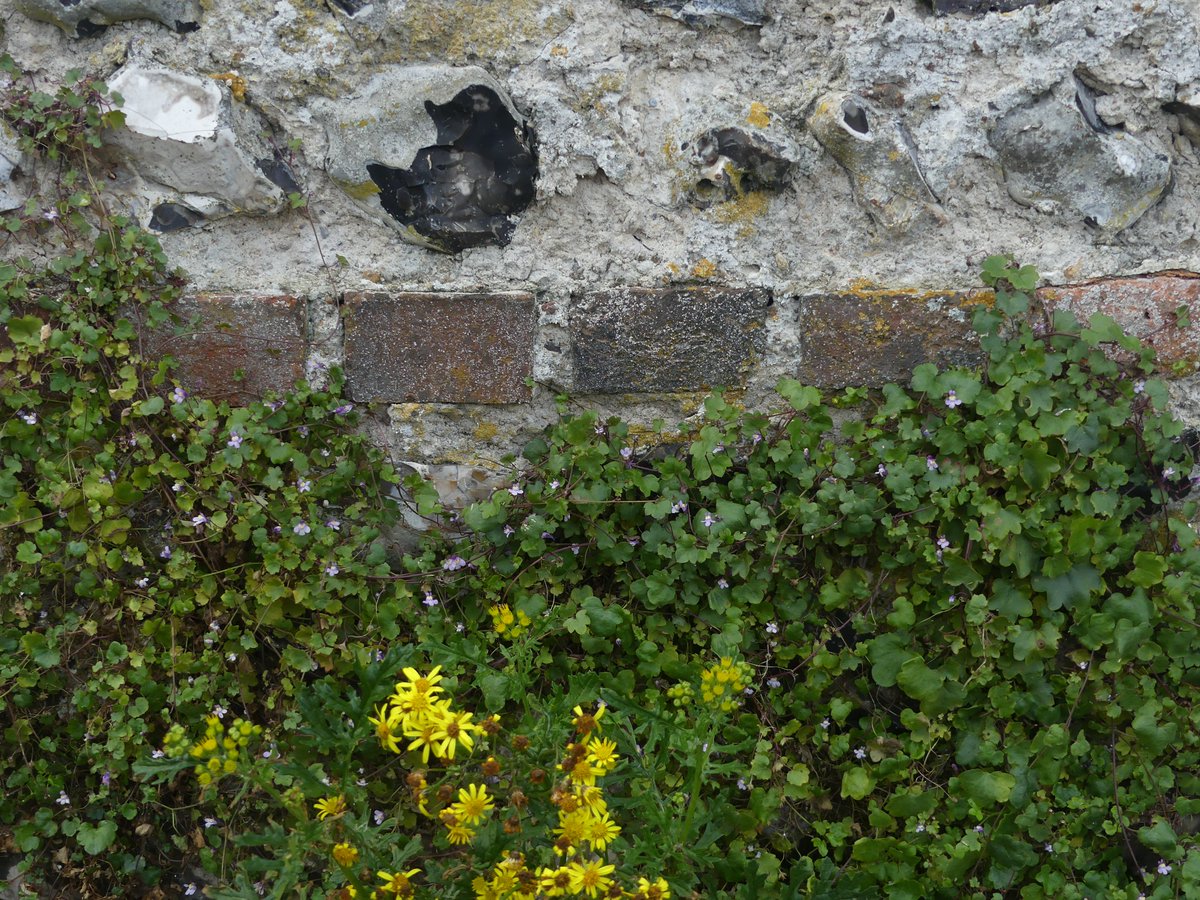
666 339
235 346
439 348
875 337
1144 306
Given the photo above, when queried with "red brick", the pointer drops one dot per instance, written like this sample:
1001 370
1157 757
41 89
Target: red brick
1144 306
235 346
439 348
872 337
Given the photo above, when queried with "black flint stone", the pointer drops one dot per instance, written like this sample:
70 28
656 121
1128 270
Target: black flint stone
352 7
981 7
694 12
279 173
173 217
760 164
86 29
462 191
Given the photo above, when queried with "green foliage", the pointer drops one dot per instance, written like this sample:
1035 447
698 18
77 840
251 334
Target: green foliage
946 649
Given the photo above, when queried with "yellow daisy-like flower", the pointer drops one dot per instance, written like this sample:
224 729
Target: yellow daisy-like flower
573 827
586 723
421 684
601 831
455 728
592 797
388 722
473 804
554 882
330 807
590 877
422 738
654 890
460 834
398 883
345 855
602 754
582 772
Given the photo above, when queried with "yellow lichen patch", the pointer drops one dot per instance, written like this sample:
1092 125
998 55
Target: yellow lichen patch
237 84
485 431
742 211
593 97
759 116
457 29
558 50
361 190
704 268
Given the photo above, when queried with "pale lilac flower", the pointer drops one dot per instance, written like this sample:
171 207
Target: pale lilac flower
199 520
633 542
303 485
324 453
681 506
756 439
332 569
219 711
1163 867
1168 472
722 583
157 754
825 723
460 627
301 528
177 486
709 520
742 786
860 752
454 563
516 490
334 524
931 464
626 452
142 582
214 625
772 628
190 889
50 215
210 822
1049 848
599 429
343 409
430 600
178 395
773 682
1083 664
881 471
943 542
953 598
509 531
952 399
29 418
232 657
378 816
235 440
1139 386
63 799
575 549
979 828
553 485
260 888
920 828
106 778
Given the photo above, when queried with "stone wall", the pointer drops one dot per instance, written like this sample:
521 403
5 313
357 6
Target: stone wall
633 201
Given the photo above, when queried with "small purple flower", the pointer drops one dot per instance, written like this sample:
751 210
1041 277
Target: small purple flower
454 563
177 487
343 409
29 418
210 822
219 711
626 452
720 448
772 628
276 529
979 828
63 799
931 464
303 485
599 428
1163 867
881 471
773 682
722 584
190 889
1139 386
742 786
825 723
953 598
50 215
199 520
178 395
301 528
679 507
756 439
157 754
509 531
106 778
1049 848
165 553
334 524
378 816
142 582
952 399
860 752
943 543
920 828
709 520
430 600
332 569
1168 472
516 490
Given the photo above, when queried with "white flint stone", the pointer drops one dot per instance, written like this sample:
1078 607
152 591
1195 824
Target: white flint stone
180 132
12 195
